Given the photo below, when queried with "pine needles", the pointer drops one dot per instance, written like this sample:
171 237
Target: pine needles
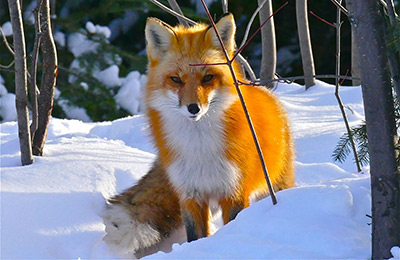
343 147
359 133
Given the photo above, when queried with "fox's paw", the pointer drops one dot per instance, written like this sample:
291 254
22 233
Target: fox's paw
125 234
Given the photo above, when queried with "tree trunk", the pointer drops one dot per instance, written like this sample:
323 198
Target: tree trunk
369 26
355 65
268 60
305 42
393 58
46 97
21 89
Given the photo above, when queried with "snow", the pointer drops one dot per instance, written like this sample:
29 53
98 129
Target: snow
28 13
395 252
7 103
130 94
7 28
98 29
59 37
109 76
128 89
78 44
74 112
51 209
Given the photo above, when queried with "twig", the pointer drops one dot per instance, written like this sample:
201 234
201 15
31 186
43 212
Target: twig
338 77
393 42
391 12
241 59
247 67
7 66
384 4
174 5
255 33
6 42
337 86
34 57
290 80
322 19
340 6
233 74
168 10
246 34
224 6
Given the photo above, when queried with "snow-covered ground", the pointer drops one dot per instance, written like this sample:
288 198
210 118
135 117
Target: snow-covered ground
51 209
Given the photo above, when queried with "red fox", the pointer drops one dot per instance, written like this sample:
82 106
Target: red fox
205 147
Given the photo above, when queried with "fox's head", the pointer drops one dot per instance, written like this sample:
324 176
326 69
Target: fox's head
173 82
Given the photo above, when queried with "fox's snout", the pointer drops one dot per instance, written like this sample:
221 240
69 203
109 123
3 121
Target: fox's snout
193 111
193 108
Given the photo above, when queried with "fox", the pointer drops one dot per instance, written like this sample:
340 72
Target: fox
205 150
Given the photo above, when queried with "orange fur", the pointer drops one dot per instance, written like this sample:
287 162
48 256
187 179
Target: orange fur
171 50
194 46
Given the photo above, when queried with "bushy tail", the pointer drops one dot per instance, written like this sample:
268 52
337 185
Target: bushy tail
143 215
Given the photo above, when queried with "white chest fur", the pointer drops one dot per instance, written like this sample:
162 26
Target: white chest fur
200 169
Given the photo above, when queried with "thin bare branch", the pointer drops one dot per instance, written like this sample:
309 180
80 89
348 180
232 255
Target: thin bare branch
391 12
224 6
337 86
247 67
241 59
174 5
242 101
246 34
383 3
169 10
7 66
6 42
255 33
34 57
290 80
340 6
322 19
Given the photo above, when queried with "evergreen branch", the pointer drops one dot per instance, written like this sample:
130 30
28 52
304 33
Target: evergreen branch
342 149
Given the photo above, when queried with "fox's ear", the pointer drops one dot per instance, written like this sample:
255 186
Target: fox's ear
158 37
226 29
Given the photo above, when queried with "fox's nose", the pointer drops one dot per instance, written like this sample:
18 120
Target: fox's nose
193 108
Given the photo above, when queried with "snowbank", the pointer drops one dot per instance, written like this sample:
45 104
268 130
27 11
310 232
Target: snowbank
51 209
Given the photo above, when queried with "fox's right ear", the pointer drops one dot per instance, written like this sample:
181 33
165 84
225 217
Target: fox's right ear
158 37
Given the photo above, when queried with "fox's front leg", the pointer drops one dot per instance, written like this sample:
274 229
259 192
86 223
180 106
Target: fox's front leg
232 206
195 217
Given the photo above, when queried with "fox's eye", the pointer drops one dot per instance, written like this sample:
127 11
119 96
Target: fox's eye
176 80
207 78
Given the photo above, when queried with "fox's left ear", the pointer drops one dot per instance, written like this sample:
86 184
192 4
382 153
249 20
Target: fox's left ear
226 29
